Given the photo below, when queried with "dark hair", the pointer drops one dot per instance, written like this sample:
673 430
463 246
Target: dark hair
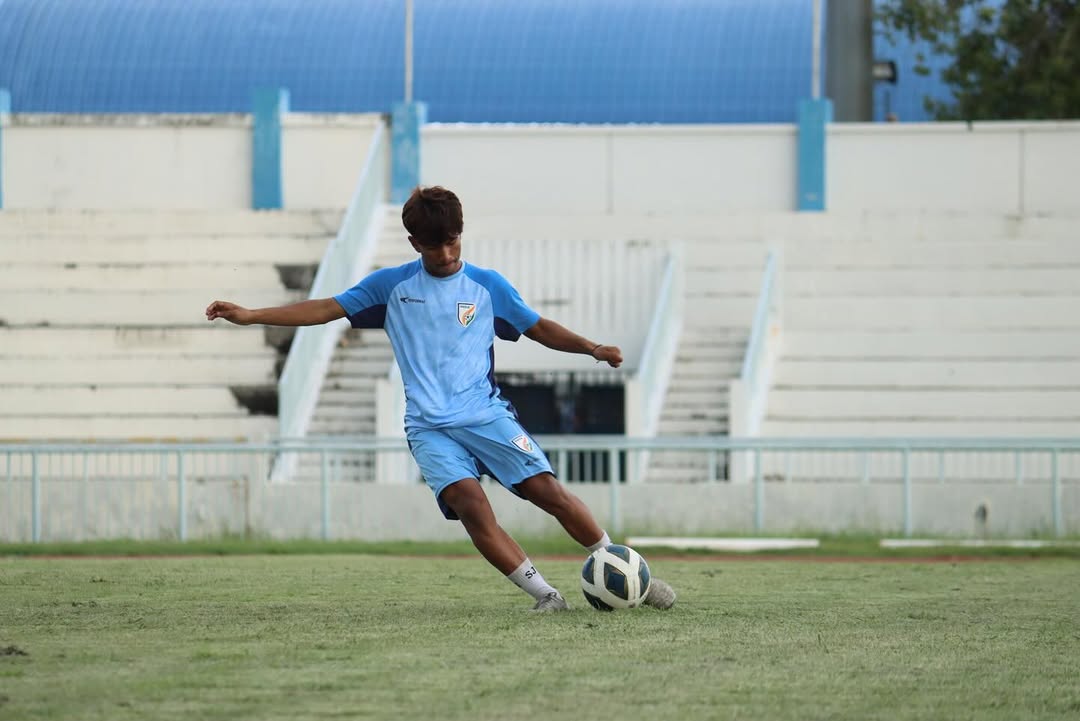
432 215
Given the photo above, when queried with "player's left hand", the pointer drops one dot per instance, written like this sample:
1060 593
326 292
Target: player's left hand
611 354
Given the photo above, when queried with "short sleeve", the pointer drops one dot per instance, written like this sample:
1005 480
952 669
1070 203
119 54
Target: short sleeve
365 303
512 316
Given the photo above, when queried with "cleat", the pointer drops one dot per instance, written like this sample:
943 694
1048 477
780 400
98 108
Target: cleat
660 595
553 601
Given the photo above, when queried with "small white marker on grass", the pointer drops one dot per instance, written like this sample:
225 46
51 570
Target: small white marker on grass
739 545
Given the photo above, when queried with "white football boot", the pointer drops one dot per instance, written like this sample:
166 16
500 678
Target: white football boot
553 601
660 595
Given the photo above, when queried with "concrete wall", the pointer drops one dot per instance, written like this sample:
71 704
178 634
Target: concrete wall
174 161
622 170
148 509
205 162
1003 168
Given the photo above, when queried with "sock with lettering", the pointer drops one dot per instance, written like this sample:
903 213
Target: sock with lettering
529 580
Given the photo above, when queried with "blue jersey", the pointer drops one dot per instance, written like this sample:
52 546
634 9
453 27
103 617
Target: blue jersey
443 333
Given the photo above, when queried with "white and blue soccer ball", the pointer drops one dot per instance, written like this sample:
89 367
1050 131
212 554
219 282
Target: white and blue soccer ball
614 577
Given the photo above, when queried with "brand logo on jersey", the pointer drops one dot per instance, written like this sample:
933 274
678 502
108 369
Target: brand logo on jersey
466 313
407 299
523 443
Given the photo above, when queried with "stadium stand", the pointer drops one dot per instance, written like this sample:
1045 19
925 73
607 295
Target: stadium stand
964 327
102 334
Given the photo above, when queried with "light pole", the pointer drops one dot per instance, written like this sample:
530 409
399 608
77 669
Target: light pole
408 50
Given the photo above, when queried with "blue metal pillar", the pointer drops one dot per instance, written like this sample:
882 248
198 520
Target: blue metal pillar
408 118
266 186
814 118
5 110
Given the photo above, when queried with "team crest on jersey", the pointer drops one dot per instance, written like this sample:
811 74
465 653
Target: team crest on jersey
466 313
523 443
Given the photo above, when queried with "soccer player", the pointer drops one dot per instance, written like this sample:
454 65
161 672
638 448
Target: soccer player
442 316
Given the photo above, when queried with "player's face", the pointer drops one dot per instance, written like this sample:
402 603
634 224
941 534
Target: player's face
442 259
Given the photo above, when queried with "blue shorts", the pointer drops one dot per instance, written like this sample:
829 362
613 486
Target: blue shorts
501 449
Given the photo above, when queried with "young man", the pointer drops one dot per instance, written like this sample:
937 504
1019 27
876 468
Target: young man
442 316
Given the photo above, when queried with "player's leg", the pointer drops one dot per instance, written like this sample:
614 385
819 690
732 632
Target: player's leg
546 493
470 504
450 471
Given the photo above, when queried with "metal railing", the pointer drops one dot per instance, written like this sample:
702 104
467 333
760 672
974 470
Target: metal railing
749 393
646 389
82 491
350 253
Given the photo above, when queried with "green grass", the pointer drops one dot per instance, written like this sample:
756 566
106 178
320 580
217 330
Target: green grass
380 637
832 546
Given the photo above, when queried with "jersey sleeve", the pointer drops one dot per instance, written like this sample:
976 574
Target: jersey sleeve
512 316
365 303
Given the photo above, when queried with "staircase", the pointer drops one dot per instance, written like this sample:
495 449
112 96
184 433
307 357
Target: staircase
346 407
720 293
102 332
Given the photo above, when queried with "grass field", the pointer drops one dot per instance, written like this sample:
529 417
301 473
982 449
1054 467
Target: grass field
384 637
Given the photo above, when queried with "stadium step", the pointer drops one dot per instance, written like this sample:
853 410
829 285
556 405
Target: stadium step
354 427
967 344
160 223
32 400
830 281
219 340
797 374
917 427
176 370
102 330
144 249
138 276
940 313
119 308
98 427
885 403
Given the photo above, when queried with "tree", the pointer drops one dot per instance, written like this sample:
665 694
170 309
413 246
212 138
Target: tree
1011 59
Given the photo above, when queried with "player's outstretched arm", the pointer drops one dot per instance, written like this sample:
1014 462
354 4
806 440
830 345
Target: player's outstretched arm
306 312
549 333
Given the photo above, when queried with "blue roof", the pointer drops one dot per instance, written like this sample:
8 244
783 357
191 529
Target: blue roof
476 60
600 61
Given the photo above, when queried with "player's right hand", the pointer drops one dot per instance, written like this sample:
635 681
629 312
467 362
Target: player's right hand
229 311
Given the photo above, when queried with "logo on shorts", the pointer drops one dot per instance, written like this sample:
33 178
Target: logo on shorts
523 443
466 313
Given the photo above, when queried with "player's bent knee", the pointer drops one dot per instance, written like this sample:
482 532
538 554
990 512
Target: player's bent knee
467 499
545 491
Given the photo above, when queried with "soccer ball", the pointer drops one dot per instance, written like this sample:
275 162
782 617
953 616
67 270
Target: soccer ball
615 577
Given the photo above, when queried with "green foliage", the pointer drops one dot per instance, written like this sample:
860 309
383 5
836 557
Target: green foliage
373 637
1011 59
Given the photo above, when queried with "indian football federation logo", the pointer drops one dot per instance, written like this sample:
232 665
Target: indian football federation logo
466 313
523 443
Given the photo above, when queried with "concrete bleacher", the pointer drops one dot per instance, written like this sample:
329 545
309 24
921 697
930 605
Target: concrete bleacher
102 332
892 326
962 332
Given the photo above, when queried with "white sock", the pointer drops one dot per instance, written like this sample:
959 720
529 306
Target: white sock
529 580
604 541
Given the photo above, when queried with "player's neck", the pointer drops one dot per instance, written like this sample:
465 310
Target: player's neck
443 272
